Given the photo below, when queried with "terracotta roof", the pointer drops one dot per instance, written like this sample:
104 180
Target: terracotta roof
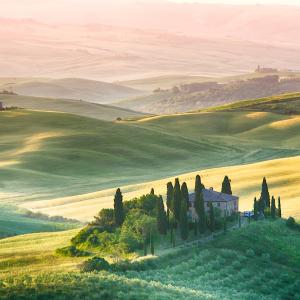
211 195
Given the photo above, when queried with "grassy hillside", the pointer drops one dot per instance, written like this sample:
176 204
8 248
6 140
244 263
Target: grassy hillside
283 104
16 221
81 108
283 178
69 88
34 253
164 82
46 156
260 261
209 93
62 149
168 81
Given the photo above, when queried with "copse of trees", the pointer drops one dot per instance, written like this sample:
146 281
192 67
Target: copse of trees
266 205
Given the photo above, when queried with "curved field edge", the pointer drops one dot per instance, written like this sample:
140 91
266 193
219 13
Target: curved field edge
48 156
282 174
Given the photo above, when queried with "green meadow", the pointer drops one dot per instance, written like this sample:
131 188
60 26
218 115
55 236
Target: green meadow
48 155
259 261
76 107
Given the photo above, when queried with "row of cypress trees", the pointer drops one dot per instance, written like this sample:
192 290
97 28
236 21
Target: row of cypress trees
178 205
176 215
265 204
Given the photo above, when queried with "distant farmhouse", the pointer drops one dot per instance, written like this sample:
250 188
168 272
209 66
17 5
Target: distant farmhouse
260 69
1 106
228 204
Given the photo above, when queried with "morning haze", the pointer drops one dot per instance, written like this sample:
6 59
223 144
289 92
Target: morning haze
149 150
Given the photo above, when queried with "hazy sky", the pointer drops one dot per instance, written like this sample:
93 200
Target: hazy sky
290 2
82 10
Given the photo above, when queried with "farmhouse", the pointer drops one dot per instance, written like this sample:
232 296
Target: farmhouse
228 204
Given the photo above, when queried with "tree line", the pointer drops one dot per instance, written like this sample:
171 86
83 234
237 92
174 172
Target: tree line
173 217
265 206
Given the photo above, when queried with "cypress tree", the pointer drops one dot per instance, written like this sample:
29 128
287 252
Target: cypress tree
185 194
265 195
279 208
211 217
177 200
170 192
118 208
226 186
240 221
198 183
152 191
273 208
161 217
151 244
199 205
184 225
255 209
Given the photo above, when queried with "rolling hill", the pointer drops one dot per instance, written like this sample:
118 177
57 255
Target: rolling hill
76 107
17 221
61 156
199 94
109 53
281 104
234 266
69 88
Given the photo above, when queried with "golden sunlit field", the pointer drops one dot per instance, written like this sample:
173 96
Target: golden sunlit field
283 178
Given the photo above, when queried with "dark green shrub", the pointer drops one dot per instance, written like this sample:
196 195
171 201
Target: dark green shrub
95 264
71 251
147 203
290 222
105 219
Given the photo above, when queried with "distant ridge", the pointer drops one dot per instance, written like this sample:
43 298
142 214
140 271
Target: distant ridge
76 107
70 88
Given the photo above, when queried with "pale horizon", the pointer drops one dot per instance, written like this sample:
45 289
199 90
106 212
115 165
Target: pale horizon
84 11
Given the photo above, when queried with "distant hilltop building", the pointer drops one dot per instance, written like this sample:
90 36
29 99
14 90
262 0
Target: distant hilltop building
260 69
227 204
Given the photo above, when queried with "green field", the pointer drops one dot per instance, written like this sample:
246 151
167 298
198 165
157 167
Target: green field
259 261
46 155
76 107
68 88
14 221
282 104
